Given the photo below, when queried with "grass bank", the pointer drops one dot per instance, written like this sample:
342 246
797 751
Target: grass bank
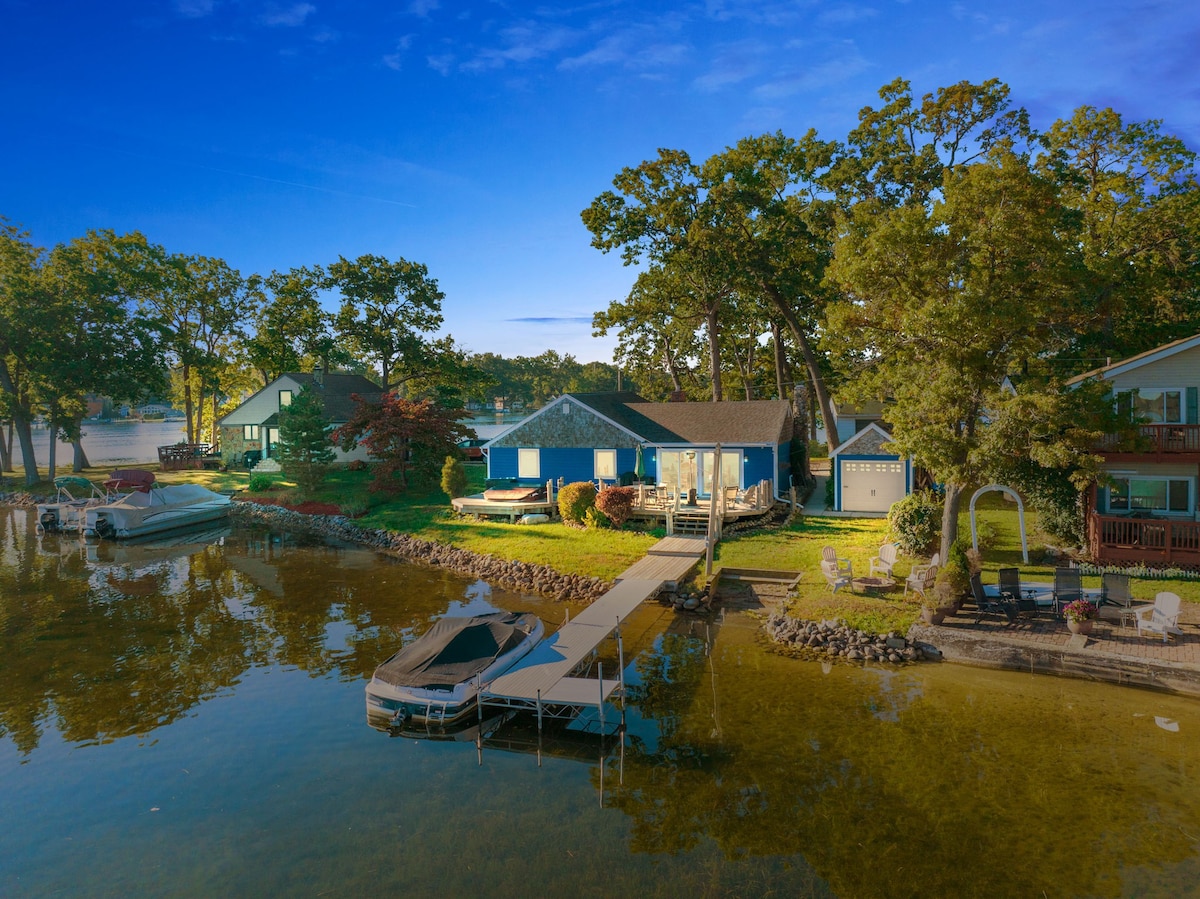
425 512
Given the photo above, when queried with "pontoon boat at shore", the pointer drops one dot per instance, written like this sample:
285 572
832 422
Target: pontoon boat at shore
152 510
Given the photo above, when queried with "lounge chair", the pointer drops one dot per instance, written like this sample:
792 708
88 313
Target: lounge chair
991 605
838 573
1068 587
1114 591
1010 589
1161 618
882 563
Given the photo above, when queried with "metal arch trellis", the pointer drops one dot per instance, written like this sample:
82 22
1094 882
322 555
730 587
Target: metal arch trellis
1020 517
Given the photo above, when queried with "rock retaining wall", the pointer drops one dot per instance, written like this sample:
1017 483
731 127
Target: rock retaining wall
825 639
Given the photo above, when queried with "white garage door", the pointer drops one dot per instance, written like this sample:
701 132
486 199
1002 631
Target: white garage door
871 486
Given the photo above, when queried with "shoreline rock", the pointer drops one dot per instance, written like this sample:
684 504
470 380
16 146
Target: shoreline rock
836 640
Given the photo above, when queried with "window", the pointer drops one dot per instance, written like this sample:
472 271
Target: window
1133 494
285 398
1160 406
606 464
529 464
250 432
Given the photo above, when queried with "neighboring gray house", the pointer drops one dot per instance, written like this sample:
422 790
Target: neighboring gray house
254 425
596 437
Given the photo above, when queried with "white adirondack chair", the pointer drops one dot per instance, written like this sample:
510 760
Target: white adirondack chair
882 563
1160 618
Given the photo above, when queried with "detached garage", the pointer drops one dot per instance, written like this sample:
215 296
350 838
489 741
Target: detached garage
866 478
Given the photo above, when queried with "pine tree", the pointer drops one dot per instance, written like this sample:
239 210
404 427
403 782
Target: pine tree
305 450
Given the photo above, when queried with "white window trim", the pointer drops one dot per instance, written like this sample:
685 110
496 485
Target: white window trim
596 454
524 456
1182 391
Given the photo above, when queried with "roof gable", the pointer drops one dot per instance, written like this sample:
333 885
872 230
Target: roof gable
1122 366
867 442
336 392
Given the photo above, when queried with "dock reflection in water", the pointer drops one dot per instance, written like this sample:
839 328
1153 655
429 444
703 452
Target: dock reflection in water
191 723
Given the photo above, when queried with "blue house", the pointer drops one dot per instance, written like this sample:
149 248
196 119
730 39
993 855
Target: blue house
598 437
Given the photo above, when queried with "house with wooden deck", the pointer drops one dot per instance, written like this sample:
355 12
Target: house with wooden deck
250 433
615 437
1145 509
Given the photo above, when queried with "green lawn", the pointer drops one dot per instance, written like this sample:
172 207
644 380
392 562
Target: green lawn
426 513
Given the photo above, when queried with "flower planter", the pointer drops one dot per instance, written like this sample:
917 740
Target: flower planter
1080 627
933 616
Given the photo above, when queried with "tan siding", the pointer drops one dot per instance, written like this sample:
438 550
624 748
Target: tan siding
1180 370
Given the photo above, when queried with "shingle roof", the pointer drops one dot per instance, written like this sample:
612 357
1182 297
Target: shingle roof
337 390
734 422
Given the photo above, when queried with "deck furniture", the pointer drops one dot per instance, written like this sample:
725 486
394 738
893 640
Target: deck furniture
1068 587
1010 589
1161 618
991 605
1114 591
883 562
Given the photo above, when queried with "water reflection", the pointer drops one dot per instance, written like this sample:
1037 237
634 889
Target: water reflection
219 683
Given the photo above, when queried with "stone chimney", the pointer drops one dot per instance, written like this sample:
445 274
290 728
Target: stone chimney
319 375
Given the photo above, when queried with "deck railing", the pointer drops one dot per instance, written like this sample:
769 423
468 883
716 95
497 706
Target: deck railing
1116 538
1158 439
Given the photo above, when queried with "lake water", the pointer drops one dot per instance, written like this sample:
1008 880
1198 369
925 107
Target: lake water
108 442
187 718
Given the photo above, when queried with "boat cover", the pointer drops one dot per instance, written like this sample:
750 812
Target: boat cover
456 649
131 479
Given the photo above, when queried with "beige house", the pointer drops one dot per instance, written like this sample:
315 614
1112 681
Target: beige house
250 432
1146 510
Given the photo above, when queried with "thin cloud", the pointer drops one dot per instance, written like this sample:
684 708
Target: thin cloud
552 320
422 8
194 9
733 65
288 17
522 43
394 60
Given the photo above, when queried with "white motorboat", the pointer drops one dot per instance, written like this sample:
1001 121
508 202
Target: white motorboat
435 679
154 510
75 495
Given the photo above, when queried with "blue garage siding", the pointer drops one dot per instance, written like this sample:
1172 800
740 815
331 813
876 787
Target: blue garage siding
759 465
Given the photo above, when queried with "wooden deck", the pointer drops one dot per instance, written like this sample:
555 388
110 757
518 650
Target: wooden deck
544 679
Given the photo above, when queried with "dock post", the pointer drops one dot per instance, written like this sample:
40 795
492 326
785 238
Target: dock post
621 663
479 696
600 676
539 709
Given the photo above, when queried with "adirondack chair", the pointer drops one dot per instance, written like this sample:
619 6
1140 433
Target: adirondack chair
1162 617
882 563
838 573
921 579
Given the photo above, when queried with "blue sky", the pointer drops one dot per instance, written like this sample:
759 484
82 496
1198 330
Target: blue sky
468 136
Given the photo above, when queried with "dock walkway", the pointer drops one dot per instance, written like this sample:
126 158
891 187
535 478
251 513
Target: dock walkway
543 679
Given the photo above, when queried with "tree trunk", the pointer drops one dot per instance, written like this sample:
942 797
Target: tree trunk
6 435
53 447
81 459
714 352
186 372
810 359
21 423
950 518
216 405
780 358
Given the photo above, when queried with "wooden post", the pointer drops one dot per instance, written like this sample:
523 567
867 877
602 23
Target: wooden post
600 675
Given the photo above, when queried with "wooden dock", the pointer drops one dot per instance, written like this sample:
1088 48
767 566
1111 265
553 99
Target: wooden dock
544 680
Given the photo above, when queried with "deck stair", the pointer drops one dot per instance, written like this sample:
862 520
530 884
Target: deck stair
690 522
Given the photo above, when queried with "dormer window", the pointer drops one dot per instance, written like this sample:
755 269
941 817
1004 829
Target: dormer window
285 398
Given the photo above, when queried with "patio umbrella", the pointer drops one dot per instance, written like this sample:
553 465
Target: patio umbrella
639 467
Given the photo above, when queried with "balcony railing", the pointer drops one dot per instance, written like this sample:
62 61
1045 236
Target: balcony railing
1156 439
1116 538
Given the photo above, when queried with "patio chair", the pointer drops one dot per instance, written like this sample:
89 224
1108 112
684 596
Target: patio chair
1010 589
991 605
921 579
1068 587
838 573
882 563
1114 591
1161 618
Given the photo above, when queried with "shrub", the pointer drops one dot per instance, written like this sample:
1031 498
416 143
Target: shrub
916 521
594 518
616 503
954 577
830 494
454 478
357 465
260 483
574 500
